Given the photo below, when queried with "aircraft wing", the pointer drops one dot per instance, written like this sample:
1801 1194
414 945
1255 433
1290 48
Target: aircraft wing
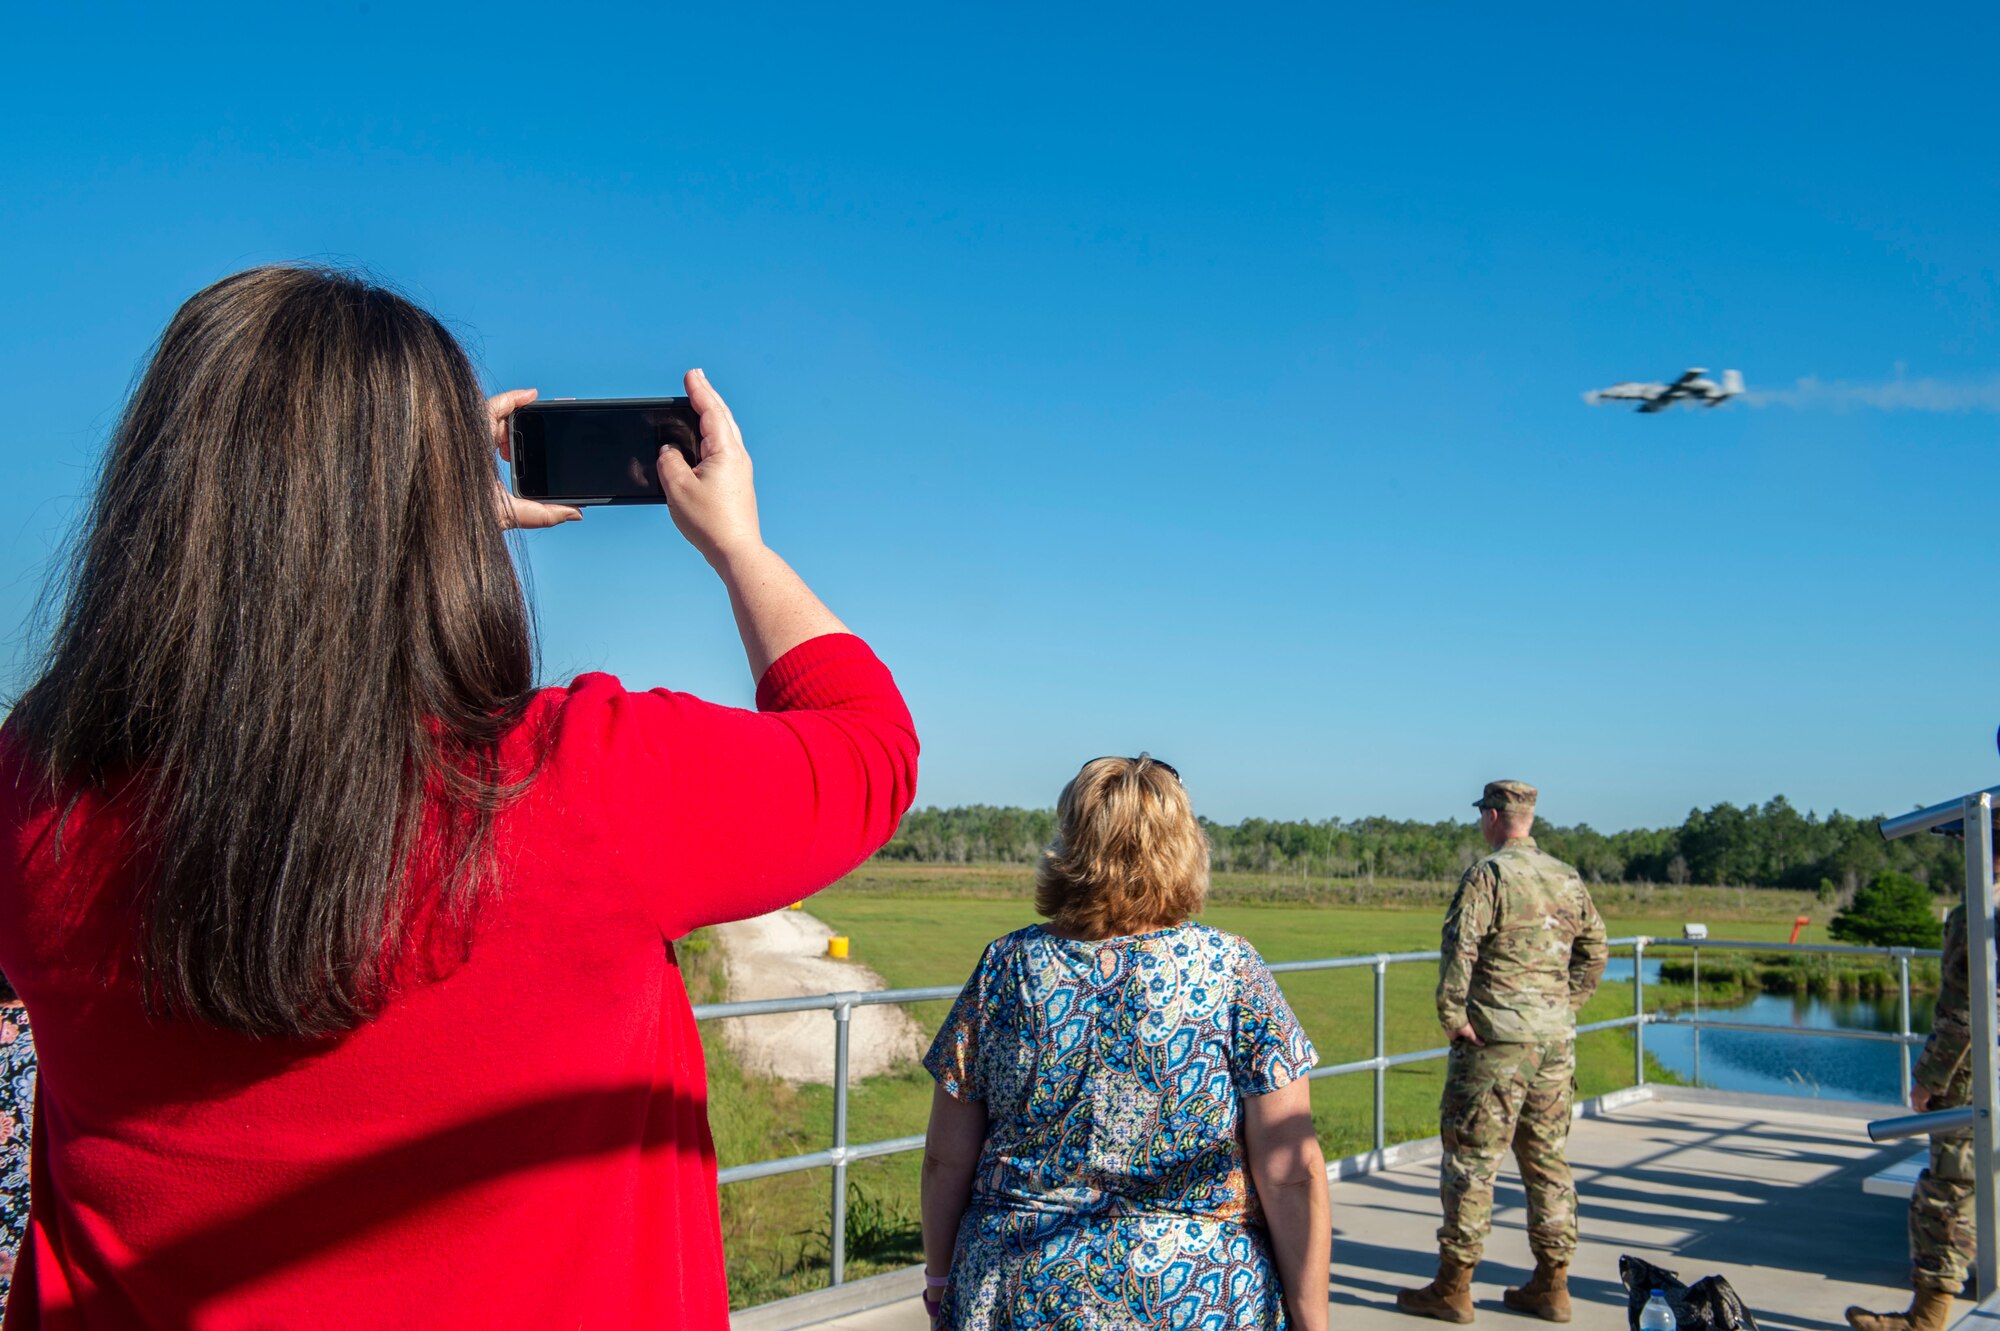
1660 403
1628 392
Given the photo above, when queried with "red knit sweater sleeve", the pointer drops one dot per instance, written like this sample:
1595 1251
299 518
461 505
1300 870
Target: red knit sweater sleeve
727 813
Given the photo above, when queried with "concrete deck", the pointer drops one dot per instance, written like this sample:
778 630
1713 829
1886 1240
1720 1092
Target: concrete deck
1765 1190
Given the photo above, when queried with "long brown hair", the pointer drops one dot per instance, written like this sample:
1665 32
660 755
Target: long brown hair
1129 853
292 619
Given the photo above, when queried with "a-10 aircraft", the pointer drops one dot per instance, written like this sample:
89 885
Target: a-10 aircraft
1694 388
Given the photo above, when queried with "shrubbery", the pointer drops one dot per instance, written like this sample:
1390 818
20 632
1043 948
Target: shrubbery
1768 845
1893 910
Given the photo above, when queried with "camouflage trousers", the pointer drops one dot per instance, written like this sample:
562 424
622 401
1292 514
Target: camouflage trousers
1502 1095
1941 1237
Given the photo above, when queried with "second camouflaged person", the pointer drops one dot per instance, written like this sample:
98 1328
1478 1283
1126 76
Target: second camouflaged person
1941 1229
1523 949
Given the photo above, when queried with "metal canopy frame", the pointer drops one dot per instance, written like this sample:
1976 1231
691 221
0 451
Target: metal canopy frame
1972 816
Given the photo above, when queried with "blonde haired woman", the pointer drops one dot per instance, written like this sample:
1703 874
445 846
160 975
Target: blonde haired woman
1121 1133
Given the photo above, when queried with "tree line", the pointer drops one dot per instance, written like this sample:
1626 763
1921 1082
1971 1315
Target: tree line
1768 845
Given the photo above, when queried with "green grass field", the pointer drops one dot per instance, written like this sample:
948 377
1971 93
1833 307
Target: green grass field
922 925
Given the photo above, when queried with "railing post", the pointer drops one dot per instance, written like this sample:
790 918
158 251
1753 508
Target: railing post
842 1011
1381 1051
1903 1017
1696 950
1979 937
1639 1011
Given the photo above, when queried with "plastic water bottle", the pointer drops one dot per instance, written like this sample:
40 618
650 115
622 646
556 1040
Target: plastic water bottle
1656 1315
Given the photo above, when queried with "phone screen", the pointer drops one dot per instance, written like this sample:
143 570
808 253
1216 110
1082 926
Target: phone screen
600 452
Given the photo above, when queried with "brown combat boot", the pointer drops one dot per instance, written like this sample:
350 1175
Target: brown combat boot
1448 1298
1546 1295
1929 1311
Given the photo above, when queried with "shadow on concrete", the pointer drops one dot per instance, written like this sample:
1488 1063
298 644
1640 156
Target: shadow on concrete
1775 1204
1398 1268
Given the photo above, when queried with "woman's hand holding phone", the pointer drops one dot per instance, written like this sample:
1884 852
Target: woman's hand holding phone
514 510
715 502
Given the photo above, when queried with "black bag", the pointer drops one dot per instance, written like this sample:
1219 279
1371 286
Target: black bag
1709 1304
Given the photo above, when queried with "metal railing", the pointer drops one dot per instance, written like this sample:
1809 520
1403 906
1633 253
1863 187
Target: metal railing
1970 817
1902 1036
841 1153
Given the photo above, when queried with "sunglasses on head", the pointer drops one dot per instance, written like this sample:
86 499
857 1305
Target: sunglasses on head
1166 767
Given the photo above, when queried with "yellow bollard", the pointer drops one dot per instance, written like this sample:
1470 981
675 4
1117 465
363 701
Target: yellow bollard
836 947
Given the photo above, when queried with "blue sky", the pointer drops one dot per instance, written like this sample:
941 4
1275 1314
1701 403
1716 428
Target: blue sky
1198 380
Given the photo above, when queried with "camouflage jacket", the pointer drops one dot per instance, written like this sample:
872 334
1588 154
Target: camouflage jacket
1944 1068
1523 948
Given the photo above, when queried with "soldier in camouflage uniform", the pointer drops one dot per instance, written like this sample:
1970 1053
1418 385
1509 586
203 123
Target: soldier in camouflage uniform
1941 1233
1523 949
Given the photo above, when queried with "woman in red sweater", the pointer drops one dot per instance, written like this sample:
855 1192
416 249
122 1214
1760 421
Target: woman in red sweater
290 834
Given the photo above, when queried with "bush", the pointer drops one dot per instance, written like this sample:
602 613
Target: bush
878 1231
1893 910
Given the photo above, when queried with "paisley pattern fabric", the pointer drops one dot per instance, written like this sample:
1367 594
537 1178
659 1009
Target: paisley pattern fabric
17 1107
1112 1190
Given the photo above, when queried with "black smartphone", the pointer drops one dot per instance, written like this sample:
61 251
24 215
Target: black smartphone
599 450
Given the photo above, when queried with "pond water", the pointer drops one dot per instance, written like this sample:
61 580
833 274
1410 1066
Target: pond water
1786 1064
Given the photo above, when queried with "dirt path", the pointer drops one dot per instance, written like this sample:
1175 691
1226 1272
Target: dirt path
783 955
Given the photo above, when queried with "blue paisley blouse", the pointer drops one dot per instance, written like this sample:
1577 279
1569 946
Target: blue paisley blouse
1112 1190
17 1107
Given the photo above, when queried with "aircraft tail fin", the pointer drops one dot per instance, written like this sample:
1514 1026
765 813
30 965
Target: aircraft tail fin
1732 382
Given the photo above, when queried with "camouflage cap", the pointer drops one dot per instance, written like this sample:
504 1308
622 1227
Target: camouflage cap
1506 796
